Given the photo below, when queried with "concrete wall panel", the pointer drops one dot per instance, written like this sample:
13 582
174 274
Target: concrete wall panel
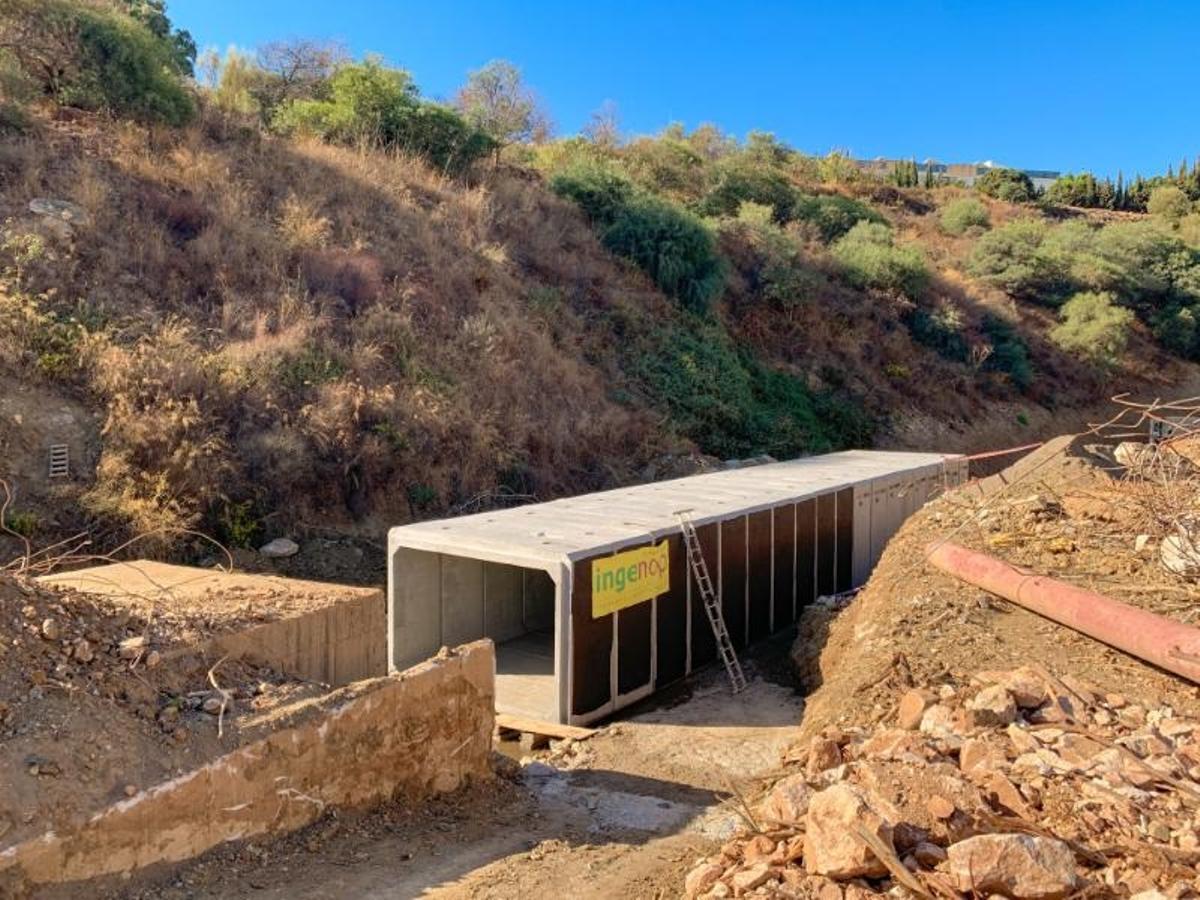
539 600
784 592
416 626
670 620
760 557
733 578
502 602
826 544
462 600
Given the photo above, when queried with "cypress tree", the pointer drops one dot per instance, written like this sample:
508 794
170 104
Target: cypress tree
1119 198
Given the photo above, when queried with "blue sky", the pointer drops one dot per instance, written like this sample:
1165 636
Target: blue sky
1069 86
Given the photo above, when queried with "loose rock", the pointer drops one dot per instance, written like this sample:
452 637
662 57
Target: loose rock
832 846
1014 865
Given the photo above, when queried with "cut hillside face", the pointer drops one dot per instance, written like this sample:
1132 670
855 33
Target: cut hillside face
987 750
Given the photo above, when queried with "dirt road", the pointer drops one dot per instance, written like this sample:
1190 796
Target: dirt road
623 814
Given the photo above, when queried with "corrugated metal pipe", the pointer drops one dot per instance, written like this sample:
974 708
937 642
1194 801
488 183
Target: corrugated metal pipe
1165 643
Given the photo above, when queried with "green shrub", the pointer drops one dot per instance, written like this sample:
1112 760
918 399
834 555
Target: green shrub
1011 258
1093 327
940 330
671 246
238 525
23 522
308 368
1009 355
870 259
738 184
1168 202
833 215
1081 190
733 406
370 102
1178 329
959 216
598 190
1006 184
90 57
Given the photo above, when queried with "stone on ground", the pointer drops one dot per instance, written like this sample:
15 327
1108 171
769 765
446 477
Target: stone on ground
1021 866
832 846
280 548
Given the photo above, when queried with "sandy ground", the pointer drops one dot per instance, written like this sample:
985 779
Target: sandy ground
623 814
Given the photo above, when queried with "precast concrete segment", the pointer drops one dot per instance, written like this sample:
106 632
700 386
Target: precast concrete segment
774 537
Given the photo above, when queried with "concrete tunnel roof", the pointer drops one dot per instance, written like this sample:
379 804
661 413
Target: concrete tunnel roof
544 535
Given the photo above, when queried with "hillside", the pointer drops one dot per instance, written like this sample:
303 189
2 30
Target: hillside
251 328
251 325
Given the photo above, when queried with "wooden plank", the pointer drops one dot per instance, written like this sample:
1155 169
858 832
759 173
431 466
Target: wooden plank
506 722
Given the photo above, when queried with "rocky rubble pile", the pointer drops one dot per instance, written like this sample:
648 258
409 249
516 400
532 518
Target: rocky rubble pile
1017 784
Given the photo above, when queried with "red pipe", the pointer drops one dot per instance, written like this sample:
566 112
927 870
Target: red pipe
1165 643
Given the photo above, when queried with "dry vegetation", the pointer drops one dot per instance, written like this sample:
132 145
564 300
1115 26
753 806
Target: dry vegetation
281 332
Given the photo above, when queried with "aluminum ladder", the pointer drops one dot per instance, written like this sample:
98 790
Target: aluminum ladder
712 604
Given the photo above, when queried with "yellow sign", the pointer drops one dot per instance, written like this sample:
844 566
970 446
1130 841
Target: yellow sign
629 578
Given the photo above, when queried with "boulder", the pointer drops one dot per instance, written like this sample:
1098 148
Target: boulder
911 708
976 758
701 878
787 802
993 706
280 548
832 846
750 878
1021 866
1133 454
1027 687
822 754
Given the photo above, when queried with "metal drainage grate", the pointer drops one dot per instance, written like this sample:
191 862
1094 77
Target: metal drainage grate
60 465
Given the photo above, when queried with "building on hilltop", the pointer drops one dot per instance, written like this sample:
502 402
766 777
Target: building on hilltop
965 173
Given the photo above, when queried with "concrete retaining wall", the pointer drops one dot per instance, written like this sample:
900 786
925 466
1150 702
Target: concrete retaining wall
337 645
423 731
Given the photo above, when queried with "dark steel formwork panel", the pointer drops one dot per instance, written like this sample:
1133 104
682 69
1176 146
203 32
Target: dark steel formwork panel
826 544
733 578
845 539
635 626
671 619
806 554
704 645
784 594
591 647
760 551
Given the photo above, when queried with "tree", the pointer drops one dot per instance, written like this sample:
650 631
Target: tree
496 101
371 102
1168 202
153 15
296 69
1093 327
1006 184
96 57
604 127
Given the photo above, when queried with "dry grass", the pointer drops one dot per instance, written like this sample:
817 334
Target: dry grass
326 332
348 336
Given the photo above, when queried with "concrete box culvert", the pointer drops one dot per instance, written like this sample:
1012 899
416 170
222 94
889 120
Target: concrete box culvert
569 650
